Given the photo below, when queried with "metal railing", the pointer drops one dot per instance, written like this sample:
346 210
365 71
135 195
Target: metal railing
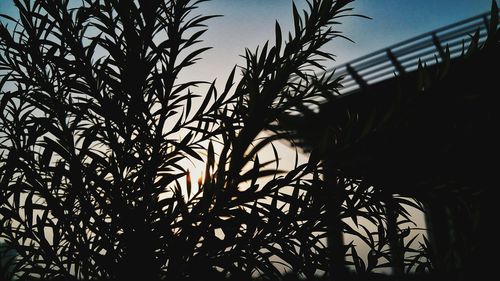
405 56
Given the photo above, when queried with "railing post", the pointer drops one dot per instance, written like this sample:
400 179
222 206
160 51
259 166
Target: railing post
361 82
395 62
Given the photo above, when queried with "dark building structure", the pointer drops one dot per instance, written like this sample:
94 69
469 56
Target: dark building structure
429 132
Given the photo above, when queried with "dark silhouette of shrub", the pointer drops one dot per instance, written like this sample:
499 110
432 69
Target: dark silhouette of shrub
96 128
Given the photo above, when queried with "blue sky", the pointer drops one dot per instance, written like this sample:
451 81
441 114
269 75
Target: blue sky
248 23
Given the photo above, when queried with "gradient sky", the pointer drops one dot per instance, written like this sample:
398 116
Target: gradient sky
248 23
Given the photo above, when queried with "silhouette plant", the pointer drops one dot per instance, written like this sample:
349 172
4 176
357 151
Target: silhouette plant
96 129
96 126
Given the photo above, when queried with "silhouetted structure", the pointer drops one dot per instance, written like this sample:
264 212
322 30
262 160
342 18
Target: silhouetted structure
405 56
429 134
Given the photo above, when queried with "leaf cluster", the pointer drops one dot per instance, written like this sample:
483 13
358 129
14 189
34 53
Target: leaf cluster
97 130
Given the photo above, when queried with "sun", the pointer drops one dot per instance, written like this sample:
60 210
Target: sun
195 176
193 181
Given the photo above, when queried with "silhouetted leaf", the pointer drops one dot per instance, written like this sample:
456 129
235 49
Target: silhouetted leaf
279 39
474 44
493 24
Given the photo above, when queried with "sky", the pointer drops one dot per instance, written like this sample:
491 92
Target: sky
249 23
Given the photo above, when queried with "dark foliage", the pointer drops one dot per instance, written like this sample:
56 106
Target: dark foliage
97 131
